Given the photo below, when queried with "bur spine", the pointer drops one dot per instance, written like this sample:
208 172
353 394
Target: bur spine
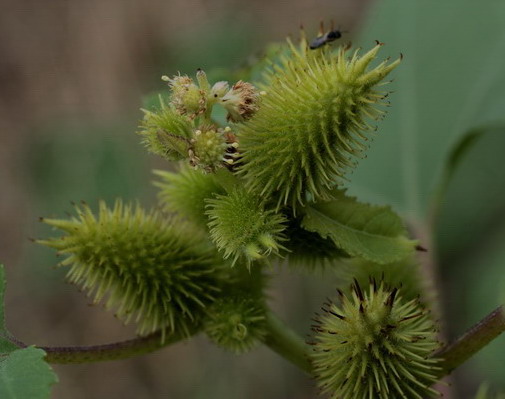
185 192
313 123
374 344
236 323
243 227
160 273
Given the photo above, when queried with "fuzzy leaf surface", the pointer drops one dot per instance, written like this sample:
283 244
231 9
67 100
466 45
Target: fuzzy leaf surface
374 233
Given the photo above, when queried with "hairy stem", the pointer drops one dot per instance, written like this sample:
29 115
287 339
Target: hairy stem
285 342
472 341
113 351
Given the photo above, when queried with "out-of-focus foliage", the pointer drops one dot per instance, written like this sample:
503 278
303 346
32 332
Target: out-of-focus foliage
439 152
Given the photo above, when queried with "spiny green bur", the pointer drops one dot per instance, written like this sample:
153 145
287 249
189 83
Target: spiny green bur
160 273
209 145
312 123
186 191
375 345
242 227
165 132
237 320
236 323
404 273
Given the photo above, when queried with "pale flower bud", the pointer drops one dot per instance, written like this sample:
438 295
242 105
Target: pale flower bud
187 98
241 101
219 89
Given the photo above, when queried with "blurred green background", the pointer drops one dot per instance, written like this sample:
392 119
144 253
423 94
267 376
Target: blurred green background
72 78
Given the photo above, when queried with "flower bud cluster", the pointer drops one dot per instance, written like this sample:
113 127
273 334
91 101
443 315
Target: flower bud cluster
184 129
192 99
211 148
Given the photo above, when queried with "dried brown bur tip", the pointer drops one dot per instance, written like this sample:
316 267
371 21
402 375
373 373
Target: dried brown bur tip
357 290
337 315
391 298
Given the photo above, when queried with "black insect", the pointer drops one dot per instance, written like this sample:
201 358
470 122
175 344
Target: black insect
324 38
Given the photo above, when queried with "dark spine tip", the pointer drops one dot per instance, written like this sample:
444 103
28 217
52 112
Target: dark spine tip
357 290
391 298
337 315
412 317
379 43
41 219
373 283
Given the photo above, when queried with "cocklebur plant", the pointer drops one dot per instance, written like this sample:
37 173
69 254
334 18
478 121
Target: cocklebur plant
267 186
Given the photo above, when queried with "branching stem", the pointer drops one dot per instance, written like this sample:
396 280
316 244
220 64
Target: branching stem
113 351
472 341
280 338
285 342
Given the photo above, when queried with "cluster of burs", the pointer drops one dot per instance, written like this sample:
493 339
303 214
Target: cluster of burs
262 189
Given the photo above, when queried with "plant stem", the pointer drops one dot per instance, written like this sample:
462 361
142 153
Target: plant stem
472 341
114 351
285 342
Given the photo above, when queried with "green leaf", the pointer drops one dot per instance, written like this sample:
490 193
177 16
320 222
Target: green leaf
454 160
25 374
474 196
450 82
374 233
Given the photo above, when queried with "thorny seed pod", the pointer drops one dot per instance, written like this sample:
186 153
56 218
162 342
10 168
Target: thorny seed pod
373 344
208 148
242 226
161 274
187 97
313 123
186 191
236 323
165 132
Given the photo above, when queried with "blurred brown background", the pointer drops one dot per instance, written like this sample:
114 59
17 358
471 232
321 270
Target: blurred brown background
72 76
